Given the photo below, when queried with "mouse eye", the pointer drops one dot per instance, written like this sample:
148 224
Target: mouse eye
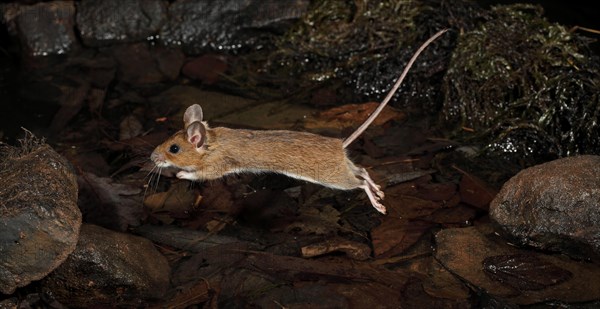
174 148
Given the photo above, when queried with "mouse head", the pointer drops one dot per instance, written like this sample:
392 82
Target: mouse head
182 149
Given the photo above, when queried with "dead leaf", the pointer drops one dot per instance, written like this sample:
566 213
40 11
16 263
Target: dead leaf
218 198
441 283
312 220
393 236
351 115
109 203
370 295
197 294
475 192
206 68
457 216
329 270
177 203
130 127
354 250
409 207
524 271
437 191
214 226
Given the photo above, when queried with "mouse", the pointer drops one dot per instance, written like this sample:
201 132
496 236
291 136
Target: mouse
200 152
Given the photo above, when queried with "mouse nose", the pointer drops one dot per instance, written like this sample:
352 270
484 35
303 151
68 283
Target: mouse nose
156 157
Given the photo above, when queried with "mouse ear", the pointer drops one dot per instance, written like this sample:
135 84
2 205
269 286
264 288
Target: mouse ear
196 134
192 114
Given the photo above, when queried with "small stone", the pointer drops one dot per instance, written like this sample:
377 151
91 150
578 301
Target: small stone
109 268
553 206
104 22
39 217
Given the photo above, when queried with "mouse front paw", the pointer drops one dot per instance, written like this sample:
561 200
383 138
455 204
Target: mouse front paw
187 175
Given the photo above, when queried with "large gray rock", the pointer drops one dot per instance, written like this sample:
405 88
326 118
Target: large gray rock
103 22
198 25
45 28
553 206
109 268
39 217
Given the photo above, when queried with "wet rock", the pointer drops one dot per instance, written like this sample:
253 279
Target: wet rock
39 218
109 268
140 63
105 22
553 206
199 25
480 258
44 28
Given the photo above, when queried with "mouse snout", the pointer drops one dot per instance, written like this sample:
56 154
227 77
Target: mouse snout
157 157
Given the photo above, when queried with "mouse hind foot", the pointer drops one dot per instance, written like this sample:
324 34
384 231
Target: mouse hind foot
373 190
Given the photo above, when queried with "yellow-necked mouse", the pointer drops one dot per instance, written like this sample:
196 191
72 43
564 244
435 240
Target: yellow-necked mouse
204 153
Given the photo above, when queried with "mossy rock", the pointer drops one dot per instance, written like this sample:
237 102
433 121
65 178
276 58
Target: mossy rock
517 75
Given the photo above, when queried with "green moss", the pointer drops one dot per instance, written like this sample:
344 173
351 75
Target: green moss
519 72
355 49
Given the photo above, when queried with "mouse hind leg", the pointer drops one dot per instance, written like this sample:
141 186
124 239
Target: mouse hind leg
373 190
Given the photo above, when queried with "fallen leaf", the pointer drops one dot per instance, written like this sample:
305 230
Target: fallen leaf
354 250
312 220
475 192
409 207
393 236
329 270
524 271
437 191
351 115
441 283
177 203
214 226
108 203
457 216
197 294
130 127
206 68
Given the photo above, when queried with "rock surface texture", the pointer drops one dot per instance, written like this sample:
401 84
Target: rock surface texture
104 22
198 25
553 206
39 217
109 268
44 28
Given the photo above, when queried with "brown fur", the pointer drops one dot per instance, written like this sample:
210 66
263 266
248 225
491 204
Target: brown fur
291 153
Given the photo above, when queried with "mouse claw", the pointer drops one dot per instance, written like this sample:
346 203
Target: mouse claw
375 197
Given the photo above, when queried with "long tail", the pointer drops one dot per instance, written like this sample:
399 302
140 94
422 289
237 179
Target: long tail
376 113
